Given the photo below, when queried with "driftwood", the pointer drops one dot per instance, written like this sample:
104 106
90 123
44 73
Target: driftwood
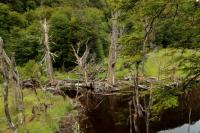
81 86
96 87
100 86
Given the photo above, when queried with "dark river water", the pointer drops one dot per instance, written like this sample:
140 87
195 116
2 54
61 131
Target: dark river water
186 128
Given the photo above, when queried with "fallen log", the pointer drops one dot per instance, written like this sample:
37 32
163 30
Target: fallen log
30 83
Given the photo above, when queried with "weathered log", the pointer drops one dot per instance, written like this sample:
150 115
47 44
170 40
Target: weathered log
30 83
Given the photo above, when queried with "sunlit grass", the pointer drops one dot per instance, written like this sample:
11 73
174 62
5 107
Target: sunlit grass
65 75
161 63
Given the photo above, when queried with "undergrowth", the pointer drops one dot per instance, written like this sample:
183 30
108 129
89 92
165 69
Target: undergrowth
44 122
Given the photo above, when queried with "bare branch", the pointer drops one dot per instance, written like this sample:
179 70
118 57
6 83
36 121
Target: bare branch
75 52
85 55
81 61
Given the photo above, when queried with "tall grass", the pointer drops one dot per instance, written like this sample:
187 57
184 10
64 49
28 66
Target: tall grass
44 122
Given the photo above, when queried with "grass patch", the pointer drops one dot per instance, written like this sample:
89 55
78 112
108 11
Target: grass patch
66 75
43 122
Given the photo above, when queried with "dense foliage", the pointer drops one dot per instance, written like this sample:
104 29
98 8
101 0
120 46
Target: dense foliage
162 36
69 22
174 24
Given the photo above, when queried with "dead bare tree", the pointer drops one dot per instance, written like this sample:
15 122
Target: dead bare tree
81 61
113 49
5 73
48 56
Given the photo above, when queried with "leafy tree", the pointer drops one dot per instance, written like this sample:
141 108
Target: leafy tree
69 27
11 25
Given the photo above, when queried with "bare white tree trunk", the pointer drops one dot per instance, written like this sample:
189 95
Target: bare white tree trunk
48 59
113 49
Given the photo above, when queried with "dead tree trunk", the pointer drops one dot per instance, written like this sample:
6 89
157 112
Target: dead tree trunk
18 90
48 59
148 109
136 101
5 73
113 49
81 61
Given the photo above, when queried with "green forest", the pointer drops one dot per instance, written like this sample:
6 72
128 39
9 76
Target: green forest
99 66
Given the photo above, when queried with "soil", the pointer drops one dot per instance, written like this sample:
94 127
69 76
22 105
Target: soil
66 124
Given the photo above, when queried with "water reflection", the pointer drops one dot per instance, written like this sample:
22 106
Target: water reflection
194 128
